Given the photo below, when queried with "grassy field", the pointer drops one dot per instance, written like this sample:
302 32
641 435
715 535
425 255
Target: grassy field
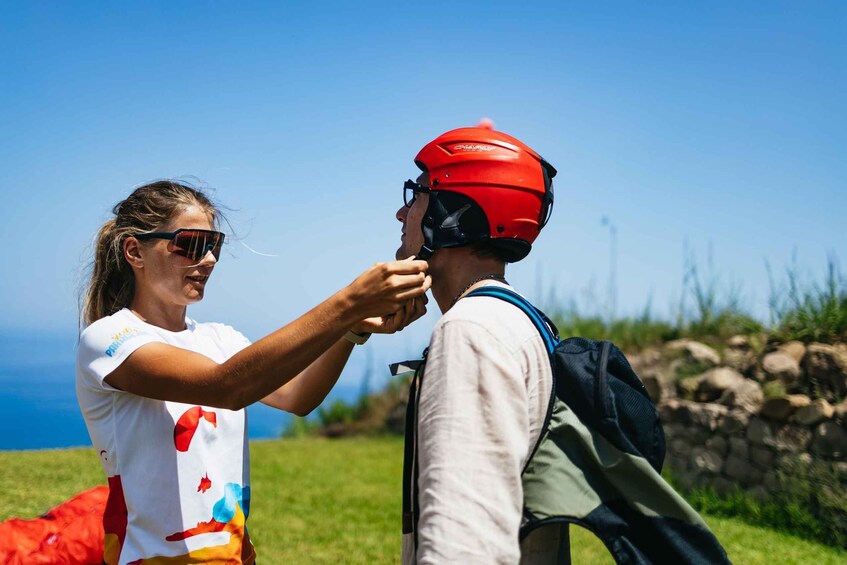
338 501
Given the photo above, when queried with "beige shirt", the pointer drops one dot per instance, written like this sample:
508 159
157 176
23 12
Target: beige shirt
483 399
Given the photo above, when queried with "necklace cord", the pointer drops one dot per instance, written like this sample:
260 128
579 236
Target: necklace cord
490 276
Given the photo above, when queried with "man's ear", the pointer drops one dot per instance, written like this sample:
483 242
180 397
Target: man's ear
132 252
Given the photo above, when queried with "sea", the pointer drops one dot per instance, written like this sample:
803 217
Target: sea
38 405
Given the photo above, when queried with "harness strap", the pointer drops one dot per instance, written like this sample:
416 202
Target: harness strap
411 510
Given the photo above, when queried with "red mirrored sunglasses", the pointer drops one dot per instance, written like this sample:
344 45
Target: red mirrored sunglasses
190 243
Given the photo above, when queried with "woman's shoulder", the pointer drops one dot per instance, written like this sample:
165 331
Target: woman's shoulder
119 331
120 320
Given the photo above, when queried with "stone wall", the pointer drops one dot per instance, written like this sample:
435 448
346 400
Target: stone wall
735 417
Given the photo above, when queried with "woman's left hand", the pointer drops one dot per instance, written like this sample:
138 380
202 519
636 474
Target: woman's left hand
412 310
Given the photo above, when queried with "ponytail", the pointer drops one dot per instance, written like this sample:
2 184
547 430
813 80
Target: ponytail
112 284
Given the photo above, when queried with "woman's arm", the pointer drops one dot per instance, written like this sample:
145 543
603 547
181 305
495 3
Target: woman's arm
306 391
164 372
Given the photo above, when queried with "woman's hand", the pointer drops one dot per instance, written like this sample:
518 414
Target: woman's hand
384 290
410 311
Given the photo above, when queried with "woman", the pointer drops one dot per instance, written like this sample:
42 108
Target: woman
163 396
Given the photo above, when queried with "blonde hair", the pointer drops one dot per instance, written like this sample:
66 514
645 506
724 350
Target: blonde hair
149 208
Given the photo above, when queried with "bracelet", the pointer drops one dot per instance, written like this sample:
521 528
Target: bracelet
358 339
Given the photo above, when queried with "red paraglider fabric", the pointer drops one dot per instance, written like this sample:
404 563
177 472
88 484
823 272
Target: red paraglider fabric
69 534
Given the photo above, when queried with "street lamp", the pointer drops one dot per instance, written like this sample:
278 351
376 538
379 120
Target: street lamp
613 259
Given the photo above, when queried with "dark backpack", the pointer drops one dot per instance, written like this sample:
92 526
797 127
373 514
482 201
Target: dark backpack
597 382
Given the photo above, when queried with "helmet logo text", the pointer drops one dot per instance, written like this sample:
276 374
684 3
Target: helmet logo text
473 147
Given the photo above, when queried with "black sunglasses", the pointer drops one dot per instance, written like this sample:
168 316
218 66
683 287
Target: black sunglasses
410 190
191 243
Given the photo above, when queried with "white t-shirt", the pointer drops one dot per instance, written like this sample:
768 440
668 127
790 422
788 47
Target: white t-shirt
483 399
179 474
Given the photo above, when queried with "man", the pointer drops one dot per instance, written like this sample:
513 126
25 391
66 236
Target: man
479 203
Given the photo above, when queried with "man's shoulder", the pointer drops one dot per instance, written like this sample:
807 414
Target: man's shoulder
487 314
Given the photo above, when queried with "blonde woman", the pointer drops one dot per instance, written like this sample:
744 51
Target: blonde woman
163 396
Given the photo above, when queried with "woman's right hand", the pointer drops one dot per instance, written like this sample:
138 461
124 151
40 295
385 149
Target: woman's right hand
383 289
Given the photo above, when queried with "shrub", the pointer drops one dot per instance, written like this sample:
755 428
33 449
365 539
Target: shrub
812 502
810 312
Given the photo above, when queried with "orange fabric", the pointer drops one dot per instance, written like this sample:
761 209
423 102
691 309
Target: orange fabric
69 534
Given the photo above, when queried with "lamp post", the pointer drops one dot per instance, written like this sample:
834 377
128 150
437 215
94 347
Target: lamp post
613 259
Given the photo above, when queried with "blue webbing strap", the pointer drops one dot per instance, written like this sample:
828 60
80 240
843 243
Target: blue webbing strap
522 303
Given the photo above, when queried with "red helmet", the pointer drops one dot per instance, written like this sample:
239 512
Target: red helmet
509 182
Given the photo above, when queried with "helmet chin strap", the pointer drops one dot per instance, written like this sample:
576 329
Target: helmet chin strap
424 253
428 223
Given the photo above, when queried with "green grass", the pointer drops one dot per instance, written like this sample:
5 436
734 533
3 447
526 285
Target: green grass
338 501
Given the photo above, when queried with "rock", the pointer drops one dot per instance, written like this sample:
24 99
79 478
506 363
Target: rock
840 413
791 462
653 384
815 413
743 361
760 432
826 370
668 411
686 389
705 461
676 463
717 444
794 349
680 447
783 407
735 421
761 457
714 382
677 344
705 416
738 448
702 354
741 470
793 438
771 481
830 441
783 367
739 342
645 359
698 435
673 431
747 395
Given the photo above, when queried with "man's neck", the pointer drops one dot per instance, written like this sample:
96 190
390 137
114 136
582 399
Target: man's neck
456 271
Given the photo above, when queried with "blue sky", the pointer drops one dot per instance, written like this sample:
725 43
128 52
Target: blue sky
720 126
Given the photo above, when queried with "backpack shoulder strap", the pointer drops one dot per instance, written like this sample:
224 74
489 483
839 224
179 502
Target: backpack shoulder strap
549 332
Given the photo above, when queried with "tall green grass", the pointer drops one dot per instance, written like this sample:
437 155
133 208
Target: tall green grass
712 311
810 311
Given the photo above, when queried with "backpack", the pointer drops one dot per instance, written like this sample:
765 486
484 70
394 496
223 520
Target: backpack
597 460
